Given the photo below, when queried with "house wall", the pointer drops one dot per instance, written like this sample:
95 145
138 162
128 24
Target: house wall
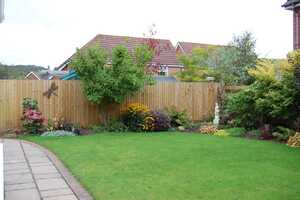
296 28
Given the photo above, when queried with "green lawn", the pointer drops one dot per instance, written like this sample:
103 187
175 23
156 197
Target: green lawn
170 166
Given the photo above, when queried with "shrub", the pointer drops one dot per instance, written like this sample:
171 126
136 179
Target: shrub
137 117
115 126
234 132
254 134
222 133
32 119
58 133
294 141
110 126
29 103
271 99
178 117
59 123
162 121
148 123
208 129
282 134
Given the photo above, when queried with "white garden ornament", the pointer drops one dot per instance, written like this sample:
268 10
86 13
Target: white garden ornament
217 116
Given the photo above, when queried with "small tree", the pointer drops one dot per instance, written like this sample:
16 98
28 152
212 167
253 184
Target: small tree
229 64
196 65
236 59
105 83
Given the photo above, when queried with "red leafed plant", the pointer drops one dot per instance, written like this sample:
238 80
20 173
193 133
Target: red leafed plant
156 47
32 120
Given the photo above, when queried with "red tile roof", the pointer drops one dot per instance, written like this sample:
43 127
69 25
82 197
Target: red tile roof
187 47
167 56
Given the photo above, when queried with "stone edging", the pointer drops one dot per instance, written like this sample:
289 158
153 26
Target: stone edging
75 186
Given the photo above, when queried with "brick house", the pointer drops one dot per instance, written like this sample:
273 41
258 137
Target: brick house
294 5
187 47
166 58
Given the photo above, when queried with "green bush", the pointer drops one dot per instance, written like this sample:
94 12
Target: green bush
178 117
111 126
271 99
236 132
29 103
282 134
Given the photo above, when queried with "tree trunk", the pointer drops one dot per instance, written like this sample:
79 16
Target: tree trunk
104 113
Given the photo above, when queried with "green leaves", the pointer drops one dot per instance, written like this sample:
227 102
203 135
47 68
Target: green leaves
268 100
111 80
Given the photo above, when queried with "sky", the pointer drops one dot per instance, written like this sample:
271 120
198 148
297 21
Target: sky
47 32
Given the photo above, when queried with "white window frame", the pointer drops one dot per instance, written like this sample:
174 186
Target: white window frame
163 69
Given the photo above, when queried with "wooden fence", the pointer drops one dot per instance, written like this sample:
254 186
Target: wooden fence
69 101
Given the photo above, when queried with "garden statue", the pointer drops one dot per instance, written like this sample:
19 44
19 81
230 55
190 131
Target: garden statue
217 116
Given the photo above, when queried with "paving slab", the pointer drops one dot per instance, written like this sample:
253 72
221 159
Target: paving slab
43 169
64 197
21 186
18 178
47 176
29 194
33 173
57 192
51 183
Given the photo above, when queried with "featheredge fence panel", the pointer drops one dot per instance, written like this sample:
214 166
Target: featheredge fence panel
66 99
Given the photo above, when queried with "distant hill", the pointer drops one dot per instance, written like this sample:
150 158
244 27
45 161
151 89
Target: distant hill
17 71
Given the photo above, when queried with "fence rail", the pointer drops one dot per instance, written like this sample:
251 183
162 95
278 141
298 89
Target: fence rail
69 101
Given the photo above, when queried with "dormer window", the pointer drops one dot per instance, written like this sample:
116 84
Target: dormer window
163 70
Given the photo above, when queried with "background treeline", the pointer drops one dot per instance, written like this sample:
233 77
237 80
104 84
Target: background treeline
17 71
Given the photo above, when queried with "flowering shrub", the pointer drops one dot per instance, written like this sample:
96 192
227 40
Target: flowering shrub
209 129
294 141
148 123
137 117
32 118
57 123
162 121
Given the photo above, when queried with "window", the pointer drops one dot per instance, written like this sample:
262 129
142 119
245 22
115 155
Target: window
163 71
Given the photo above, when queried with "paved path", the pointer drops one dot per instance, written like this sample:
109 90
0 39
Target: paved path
30 174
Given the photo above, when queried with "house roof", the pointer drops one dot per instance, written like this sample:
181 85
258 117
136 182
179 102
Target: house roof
187 47
291 4
167 55
47 74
